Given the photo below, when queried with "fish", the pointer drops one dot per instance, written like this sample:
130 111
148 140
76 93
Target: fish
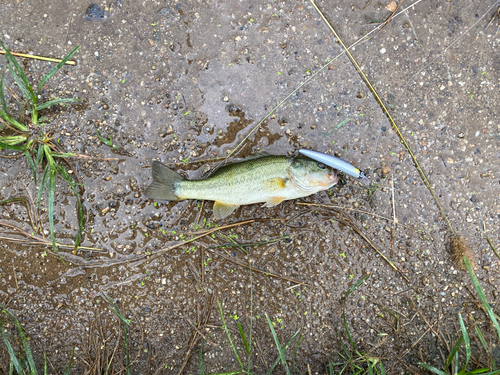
265 179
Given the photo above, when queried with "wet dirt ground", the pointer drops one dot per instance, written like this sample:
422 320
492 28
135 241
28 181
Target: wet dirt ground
185 81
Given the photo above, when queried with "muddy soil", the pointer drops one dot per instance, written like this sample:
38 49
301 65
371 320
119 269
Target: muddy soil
186 81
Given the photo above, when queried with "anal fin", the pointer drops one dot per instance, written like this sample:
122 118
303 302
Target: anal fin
274 201
222 210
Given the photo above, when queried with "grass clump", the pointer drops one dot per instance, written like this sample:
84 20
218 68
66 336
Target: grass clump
25 134
125 324
455 363
22 361
353 361
248 348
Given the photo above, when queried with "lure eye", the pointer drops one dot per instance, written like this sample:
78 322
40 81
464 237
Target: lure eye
320 165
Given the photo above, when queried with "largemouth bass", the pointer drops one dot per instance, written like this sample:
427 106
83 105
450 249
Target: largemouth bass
269 179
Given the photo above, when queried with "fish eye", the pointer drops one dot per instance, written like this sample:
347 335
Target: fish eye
320 165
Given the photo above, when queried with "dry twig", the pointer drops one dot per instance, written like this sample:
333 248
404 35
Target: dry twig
35 57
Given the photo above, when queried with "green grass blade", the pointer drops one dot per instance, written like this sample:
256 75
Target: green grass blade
466 340
26 93
55 102
79 207
275 363
63 155
330 368
432 369
68 369
2 92
13 140
31 163
11 200
14 124
54 70
6 146
5 113
229 335
453 351
243 337
483 371
485 346
115 309
26 347
81 224
202 372
45 369
119 315
493 247
51 194
39 155
127 350
481 338
13 359
109 142
278 345
24 86
382 369
52 190
43 183
126 323
295 353
347 352
482 297
351 289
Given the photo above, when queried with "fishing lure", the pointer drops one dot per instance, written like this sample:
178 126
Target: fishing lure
334 162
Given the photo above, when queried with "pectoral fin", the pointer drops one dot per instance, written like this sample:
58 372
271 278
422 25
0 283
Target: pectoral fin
222 210
274 201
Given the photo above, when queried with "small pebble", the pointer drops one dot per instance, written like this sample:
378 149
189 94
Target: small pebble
94 13
473 198
461 135
386 170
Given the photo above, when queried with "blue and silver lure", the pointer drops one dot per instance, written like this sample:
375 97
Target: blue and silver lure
334 162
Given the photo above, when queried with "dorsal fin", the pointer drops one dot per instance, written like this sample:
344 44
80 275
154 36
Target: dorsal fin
231 161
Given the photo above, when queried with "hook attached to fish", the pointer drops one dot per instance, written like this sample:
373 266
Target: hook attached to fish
336 163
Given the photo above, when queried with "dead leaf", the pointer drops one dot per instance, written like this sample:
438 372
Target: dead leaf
392 6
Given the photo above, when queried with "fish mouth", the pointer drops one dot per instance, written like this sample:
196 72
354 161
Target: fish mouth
333 178
315 185
329 181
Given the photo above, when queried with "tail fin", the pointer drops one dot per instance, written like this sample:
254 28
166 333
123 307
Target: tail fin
163 185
